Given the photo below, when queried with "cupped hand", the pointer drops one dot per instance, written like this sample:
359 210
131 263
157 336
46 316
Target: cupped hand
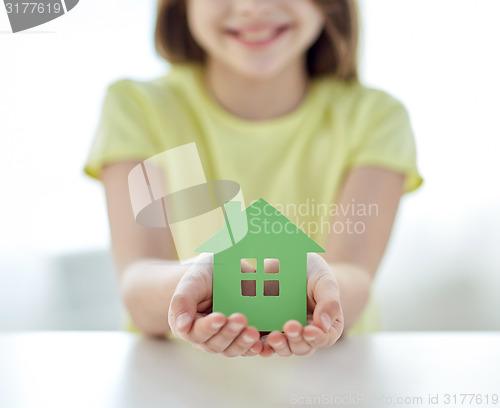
190 316
325 320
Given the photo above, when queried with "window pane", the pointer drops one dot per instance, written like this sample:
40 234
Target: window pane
248 265
248 288
271 265
271 288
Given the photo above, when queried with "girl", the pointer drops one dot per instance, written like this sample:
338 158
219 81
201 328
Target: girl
268 91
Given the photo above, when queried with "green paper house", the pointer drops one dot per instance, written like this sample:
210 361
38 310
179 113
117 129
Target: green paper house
265 236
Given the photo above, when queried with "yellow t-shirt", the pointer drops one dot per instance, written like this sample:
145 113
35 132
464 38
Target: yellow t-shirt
296 162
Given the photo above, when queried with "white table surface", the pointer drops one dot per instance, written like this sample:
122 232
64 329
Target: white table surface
114 369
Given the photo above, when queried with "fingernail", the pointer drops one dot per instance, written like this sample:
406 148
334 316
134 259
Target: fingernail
327 321
247 338
279 344
217 325
310 338
182 320
254 349
236 326
293 334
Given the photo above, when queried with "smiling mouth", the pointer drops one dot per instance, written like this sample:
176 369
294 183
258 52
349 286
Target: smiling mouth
256 36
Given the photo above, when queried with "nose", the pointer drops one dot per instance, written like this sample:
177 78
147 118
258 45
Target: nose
253 8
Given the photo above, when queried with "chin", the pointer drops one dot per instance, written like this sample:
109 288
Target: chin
259 71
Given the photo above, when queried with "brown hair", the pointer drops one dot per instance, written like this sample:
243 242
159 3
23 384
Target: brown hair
334 52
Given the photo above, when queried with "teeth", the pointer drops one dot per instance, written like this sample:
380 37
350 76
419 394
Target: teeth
257 36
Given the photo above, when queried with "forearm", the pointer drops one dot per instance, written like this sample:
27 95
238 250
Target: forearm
355 285
146 287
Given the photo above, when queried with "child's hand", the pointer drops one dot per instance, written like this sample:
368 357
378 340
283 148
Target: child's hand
190 316
325 321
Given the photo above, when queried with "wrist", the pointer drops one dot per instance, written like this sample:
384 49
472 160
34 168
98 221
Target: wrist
355 286
146 288
352 271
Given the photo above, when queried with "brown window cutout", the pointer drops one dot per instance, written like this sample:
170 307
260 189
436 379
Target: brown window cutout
248 288
271 288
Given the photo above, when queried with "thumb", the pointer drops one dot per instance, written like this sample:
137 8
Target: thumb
328 308
194 288
182 312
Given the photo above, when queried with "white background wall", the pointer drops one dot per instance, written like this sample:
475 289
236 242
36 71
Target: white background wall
440 58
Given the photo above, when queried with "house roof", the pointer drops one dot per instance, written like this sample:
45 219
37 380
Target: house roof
259 221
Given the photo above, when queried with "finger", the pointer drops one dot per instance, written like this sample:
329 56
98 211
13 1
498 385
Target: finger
267 350
277 340
254 350
181 314
329 318
328 308
316 337
193 288
247 338
206 327
293 332
232 329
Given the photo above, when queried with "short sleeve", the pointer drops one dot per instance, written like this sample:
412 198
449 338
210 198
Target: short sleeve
123 132
384 138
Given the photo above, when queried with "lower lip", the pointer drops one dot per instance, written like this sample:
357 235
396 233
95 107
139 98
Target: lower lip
260 44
